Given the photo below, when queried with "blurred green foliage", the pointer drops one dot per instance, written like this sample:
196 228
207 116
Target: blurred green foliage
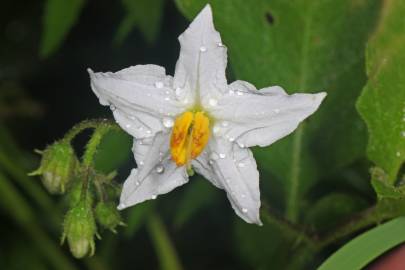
315 186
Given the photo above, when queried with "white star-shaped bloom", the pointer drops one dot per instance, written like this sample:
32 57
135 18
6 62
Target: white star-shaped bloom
196 120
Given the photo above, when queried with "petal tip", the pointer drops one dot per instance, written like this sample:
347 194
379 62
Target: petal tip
121 206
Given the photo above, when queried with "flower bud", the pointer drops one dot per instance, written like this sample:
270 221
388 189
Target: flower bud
108 216
57 166
79 229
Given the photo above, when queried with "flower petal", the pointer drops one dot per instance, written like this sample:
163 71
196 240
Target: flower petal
156 173
252 117
233 169
140 97
200 70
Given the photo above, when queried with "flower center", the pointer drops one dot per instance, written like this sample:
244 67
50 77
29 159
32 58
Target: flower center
189 136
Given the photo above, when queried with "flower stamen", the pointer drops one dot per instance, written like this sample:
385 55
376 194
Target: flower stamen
189 137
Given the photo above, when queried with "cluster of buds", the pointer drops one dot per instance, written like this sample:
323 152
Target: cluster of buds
89 195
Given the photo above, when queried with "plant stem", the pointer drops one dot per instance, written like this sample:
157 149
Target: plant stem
164 247
94 123
382 211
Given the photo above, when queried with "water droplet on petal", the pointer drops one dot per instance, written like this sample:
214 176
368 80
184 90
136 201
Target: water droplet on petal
203 49
244 210
239 93
241 145
160 169
121 206
231 139
168 122
222 155
178 91
213 102
153 197
219 44
148 131
127 125
141 163
216 129
112 107
213 156
158 84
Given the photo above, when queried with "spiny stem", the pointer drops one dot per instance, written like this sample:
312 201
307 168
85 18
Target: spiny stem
382 211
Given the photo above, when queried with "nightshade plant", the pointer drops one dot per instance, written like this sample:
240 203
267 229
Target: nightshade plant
195 120
329 180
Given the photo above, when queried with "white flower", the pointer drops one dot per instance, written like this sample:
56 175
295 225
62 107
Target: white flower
196 119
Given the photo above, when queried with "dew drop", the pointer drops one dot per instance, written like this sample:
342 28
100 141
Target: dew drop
213 156
231 139
158 84
219 44
203 49
222 155
231 92
153 197
141 163
168 122
239 93
127 125
244 210
213 102
148 131
121 206
178 91
241 145
210 162
216 129
159 169
225 124
137 183
112 107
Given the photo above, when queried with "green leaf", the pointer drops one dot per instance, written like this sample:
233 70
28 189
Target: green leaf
382 103
146 15
59 17
304 46
363 249
198 194
113 151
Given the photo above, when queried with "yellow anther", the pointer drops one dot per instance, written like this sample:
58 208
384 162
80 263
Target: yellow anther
189 137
